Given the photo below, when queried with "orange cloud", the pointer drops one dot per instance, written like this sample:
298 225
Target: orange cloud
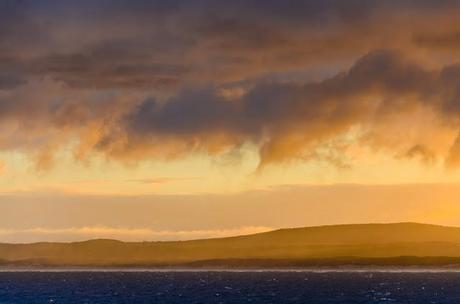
297 121
2 167
161 180
196 80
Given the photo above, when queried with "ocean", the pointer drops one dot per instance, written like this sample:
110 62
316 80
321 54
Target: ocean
258 287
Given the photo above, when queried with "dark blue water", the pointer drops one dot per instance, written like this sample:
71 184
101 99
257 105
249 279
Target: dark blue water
228 287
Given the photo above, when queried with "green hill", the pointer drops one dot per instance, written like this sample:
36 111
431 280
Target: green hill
363 244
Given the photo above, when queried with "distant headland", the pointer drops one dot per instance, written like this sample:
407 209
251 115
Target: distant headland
357 245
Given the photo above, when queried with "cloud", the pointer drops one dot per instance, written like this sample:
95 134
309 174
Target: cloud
153 45
161 180
284 120
420 151
291 120
143 217
137 80
125 234
10 82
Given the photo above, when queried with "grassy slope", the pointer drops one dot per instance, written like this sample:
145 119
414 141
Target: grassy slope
370 242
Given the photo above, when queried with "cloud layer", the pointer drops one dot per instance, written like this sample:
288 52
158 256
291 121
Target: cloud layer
41 217
126 234
135 80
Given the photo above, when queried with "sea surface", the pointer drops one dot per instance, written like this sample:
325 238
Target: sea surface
265 287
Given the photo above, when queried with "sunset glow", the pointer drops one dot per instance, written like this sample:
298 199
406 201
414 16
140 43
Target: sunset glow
171 120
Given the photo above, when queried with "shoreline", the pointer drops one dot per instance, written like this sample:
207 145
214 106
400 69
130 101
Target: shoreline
370 269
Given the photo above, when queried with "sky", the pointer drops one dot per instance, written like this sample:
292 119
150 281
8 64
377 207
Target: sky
165 120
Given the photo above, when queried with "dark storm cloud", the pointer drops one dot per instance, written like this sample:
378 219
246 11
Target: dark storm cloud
98 71
160 79
10 81
287 119
117 44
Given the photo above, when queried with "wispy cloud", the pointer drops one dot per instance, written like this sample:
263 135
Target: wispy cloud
162 180
126 234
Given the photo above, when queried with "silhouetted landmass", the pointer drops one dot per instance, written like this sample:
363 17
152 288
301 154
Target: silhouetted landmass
402 244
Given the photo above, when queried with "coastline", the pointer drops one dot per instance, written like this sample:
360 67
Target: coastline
340 269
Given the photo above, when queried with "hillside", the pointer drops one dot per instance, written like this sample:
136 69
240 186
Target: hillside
401 243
